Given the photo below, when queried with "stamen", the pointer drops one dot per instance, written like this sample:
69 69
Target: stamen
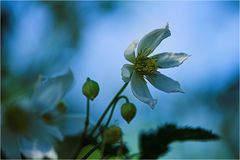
144 65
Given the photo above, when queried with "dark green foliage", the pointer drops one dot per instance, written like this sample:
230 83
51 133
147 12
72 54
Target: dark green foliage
70 146
154 144
114 150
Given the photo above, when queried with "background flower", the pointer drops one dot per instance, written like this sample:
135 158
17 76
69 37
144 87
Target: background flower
24 124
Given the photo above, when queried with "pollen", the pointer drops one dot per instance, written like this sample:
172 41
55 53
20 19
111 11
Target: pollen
144 65
17 119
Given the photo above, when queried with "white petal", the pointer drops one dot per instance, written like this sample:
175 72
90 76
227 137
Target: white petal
33 153
49 92
25 144
129 53
151 40
164 83
140 90
72 124
126 72
43 146
55 132
38 148
167 60
41 134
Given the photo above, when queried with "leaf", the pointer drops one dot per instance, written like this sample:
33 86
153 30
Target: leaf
154 144
70 147
95 155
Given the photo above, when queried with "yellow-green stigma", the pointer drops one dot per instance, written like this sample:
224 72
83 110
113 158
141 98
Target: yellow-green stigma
144 65
17 119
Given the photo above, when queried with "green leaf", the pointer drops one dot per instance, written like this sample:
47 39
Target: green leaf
154 144
95 155
70 147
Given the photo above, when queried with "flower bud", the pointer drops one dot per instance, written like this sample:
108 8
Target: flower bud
128 111
90 89
112 134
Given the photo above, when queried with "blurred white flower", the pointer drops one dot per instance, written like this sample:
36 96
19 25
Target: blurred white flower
24 123
68 123
145 67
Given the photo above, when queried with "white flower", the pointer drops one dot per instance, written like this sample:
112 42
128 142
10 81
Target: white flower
69 124
23 124
145 67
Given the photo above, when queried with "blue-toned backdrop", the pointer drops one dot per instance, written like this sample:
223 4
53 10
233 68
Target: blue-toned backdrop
47 37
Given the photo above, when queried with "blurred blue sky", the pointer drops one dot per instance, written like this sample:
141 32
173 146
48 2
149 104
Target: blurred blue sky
207 30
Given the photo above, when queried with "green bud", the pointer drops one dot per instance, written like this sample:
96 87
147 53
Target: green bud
112 134
128 111
90 89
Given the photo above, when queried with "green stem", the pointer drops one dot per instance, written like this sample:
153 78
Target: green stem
113 108
107 109
103 148
87 118
120 148
91 151
111 113
124 97
131 156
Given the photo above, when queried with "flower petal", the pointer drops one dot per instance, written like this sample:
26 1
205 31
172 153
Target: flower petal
25 144
72 124
167 60
29 149
50 91
127 70
140 90
41 135
55 132
151 40
129 53
164 83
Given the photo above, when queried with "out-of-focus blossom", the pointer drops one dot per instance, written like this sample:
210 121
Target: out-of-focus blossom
145 67
23 122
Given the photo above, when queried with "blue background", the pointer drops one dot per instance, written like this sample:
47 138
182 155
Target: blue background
47 37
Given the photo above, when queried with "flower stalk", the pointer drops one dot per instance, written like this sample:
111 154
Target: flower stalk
87 117
113 101
111 114
113 108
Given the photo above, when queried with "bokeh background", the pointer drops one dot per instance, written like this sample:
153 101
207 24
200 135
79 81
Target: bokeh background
45 38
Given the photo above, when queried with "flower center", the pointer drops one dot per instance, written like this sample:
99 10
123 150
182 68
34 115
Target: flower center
144 65
17 119
61 108
49 119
